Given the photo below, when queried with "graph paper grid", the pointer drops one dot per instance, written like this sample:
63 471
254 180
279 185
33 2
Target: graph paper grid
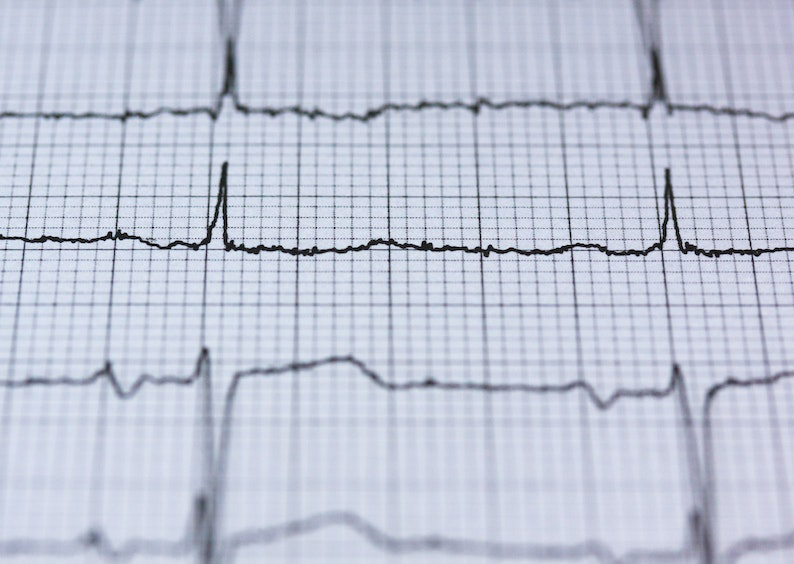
362 281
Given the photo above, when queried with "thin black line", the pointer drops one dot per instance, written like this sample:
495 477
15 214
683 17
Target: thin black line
98 462
229 30
214 111
122 392
295 444
776 439
392 442
700 525
221 215
584 423
649 21
97 541
492 521
5 414
205 510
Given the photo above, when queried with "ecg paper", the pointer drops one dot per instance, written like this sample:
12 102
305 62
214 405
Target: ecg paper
427 282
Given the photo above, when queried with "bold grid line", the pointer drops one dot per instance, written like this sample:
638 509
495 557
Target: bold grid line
432 475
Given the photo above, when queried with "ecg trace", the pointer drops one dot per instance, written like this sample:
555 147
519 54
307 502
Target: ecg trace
221 215
647 18
658 98
201 535
206 537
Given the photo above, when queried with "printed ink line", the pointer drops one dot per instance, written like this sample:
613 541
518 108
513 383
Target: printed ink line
221 215
203 522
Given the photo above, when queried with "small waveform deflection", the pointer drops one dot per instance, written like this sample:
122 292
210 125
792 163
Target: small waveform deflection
220 220
657 98
201 536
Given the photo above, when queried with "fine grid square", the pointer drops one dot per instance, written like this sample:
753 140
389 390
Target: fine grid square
379 282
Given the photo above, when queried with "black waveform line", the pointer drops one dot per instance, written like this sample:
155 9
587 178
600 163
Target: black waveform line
213 111
648 20
201 538
229 90
220 215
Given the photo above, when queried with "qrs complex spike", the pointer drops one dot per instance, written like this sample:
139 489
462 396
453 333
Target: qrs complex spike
204 537
220 220
229 90
213 111
201 536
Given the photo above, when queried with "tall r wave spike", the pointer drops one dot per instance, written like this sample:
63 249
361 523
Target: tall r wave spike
229 14
221 216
